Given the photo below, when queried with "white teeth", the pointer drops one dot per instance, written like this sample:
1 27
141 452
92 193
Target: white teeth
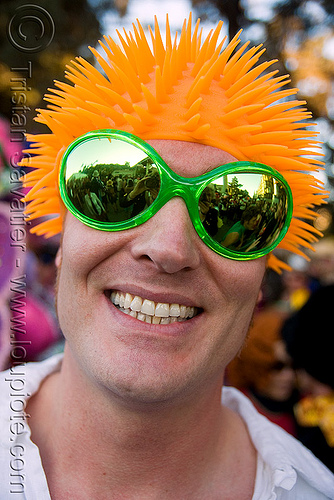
136 304
115 298
190 311
183 310
148 307
162 310
174 310
149 311
127 301
141 316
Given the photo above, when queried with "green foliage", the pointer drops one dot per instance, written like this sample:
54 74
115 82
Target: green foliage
75 26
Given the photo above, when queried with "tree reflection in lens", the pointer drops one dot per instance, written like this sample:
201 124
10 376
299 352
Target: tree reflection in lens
249 210
110 191
110 180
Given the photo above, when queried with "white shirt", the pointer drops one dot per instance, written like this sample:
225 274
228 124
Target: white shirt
286 470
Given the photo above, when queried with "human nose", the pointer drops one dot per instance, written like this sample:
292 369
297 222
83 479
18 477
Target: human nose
168 240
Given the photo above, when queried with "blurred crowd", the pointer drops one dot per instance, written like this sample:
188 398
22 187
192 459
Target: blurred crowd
285 366
28 325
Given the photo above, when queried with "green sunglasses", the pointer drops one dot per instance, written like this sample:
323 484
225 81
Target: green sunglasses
111 180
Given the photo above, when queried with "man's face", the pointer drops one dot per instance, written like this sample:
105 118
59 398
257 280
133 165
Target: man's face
251 223
163 261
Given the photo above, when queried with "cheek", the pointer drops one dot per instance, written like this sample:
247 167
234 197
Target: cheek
83 248
79 246
242 280
236 289
239 284
247 278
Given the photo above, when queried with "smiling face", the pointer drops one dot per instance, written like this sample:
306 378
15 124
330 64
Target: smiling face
151 313
251 223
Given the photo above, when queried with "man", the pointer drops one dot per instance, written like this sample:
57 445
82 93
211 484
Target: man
313 363
321 266
152 307
236 235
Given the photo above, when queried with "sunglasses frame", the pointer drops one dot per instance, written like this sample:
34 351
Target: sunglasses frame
171 185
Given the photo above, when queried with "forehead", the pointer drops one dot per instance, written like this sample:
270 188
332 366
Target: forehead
190 159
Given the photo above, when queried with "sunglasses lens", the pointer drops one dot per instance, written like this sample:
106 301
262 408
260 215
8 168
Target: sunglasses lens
244 212
110 180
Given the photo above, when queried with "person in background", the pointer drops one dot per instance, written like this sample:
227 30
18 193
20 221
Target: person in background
321 266
242 233
297 284
208 212
308 336
263 369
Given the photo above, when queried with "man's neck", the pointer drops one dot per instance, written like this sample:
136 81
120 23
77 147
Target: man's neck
189 450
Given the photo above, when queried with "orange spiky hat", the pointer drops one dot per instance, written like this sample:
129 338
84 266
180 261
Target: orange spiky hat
183 90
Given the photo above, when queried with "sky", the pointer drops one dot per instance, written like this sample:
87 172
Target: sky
102 151
145 10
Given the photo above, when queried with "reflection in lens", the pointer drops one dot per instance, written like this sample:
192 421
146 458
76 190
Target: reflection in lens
244 212
110 180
